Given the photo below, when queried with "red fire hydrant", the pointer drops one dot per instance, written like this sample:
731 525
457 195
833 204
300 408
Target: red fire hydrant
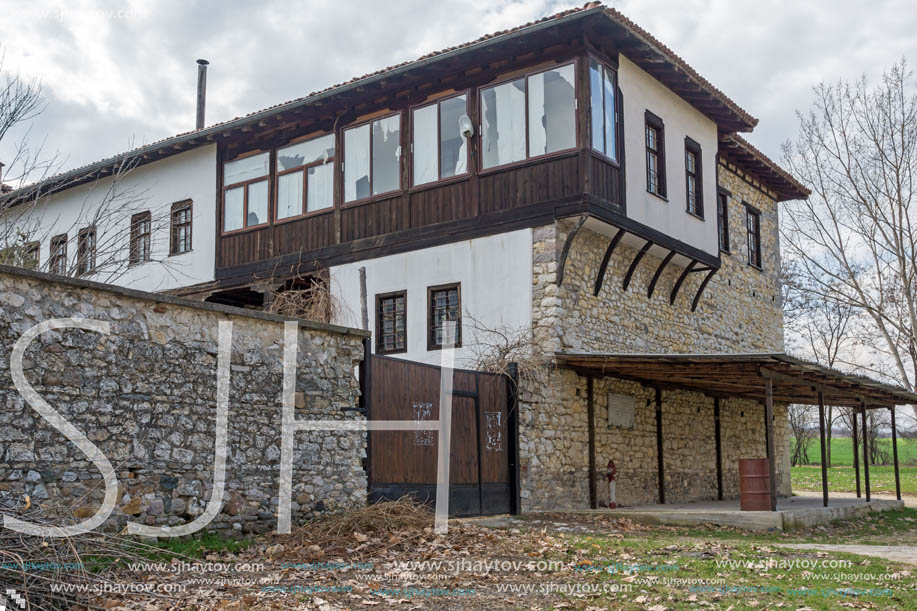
612 474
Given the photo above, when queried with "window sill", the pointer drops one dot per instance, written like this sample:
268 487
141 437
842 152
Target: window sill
440 183
757 267
373 199
602 157
307 215
178 254
529 161
726 251
438 348
662 197
388 352
244 230
695 215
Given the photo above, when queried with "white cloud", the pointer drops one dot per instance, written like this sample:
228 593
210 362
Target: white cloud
110 81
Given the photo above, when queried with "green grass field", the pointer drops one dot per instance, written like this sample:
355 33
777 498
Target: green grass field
841 477
842 451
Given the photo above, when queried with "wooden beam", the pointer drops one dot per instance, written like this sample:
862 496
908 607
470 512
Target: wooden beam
633 264
856 449
566 250
895 454
660 462
680 281
652 287
719 448
824 457
600 278
769 430
590 414
865 454
700 289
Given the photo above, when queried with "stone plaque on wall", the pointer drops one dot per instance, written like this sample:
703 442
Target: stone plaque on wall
620 411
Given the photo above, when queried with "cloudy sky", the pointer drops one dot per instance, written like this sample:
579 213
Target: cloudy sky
110 83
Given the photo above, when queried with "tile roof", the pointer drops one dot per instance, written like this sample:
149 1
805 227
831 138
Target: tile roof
784 183
589 8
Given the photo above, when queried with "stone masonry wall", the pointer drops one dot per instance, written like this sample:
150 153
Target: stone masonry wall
740 311
146 396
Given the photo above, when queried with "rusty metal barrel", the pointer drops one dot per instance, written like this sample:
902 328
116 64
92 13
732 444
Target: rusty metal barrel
754 484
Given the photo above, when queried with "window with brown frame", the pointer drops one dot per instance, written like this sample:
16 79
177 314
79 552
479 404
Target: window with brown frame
655 155
180 228
372 158
722 218
391 323
694 189
444 304
141 238
57 262
245 192
439 149
753 232
530 116
31 255
305 177
86 251
602 90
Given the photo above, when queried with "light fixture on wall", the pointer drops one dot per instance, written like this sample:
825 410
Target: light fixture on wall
466 126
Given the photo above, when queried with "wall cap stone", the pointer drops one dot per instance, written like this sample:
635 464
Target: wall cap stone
163 298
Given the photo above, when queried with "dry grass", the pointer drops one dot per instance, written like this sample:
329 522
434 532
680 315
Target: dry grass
309 298
30 565
364 533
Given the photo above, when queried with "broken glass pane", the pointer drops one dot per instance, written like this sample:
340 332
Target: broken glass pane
356 163
303 153
232 211
552 115
289 195
452 143
425 144
257 203
320 193
386 154
503 130
245 169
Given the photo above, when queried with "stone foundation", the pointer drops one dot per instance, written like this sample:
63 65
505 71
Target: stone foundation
740 312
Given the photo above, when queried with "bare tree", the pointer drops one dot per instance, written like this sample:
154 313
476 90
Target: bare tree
819 327
30 178
855 238
801 426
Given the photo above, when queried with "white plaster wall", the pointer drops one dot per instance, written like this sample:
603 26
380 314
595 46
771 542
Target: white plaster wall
154 187
496 277
641 93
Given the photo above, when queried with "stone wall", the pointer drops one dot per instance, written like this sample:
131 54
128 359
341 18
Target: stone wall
740 311
146 396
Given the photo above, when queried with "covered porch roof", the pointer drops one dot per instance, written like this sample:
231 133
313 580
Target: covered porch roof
741 376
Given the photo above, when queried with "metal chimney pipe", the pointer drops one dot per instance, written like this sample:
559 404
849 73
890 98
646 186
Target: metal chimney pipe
201 91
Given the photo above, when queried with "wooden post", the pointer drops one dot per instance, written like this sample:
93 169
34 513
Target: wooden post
512 390
824 456
856 450
660 463
895 454
769 430
366 405
865 453
590 414
719 449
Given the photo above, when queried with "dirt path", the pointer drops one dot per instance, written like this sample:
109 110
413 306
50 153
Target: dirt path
897 553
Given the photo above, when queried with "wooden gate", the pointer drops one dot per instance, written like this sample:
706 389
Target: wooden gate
484 437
